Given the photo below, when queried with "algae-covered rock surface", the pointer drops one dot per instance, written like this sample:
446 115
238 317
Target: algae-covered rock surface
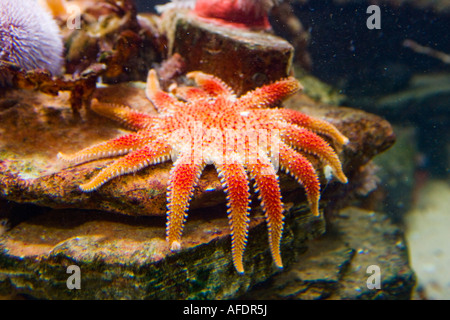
128 258
363 255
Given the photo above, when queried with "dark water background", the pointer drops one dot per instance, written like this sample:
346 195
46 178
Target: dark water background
366 65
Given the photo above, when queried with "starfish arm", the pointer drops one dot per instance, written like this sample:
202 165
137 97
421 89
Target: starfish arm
164 102
129 117
158 152
184 176
316 125
115 147
210 84
267 185
235 182
269 95
303 171
305 140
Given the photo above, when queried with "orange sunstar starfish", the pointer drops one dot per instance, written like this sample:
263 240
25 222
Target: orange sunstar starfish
208 124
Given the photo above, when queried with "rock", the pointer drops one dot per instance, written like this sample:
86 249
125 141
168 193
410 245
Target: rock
36 127
319 90
399 176
256 57
335 265
426 94
429 92
120 246
427 235
128 258
122 252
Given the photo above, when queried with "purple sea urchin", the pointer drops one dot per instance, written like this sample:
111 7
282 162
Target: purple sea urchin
29 37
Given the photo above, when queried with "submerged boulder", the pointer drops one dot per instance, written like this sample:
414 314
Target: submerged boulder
127 257
36 127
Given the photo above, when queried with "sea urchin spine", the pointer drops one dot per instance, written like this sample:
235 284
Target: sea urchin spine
29 37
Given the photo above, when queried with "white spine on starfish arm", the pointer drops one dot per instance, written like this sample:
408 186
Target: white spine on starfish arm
92 156
93 184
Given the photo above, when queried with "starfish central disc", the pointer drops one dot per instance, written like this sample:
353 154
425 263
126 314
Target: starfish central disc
244 139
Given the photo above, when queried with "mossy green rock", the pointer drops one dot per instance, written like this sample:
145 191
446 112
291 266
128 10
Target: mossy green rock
358 247
128 258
